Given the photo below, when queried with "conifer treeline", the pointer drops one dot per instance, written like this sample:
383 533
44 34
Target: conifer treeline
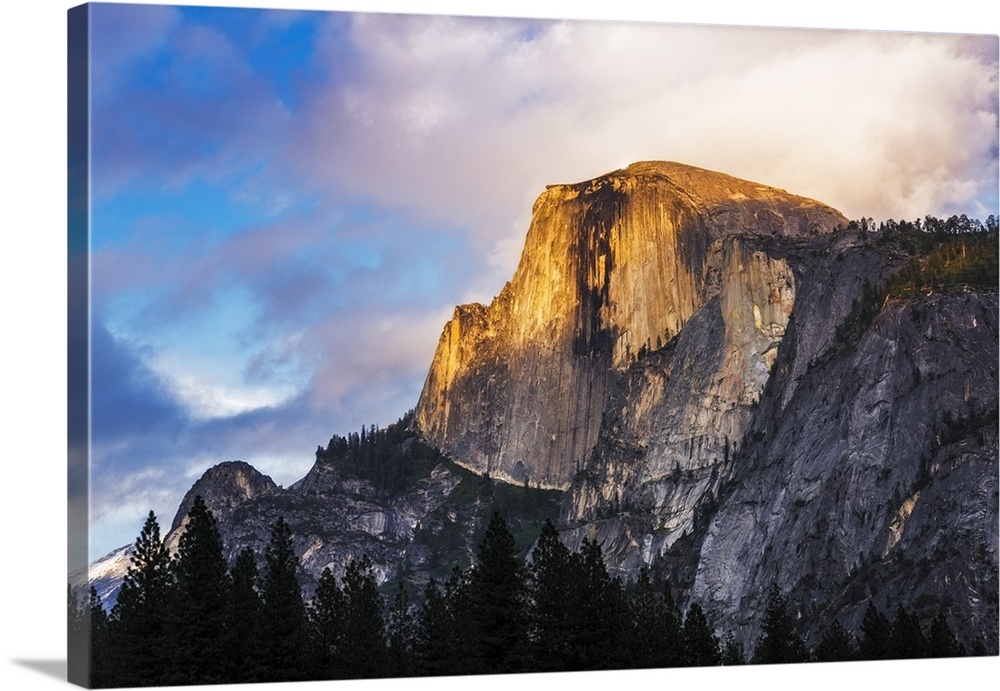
188 620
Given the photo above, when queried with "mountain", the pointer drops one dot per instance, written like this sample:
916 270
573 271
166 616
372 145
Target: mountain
611 267
339 512
729 384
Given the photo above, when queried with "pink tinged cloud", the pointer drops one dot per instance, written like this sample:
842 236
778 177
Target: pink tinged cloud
467 120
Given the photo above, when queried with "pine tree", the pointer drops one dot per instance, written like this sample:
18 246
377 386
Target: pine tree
600 615
400 633
552 602
837 645
907 640
673 623
779 644
700 644
876 635
200 611
364 648
498 602
244 622
139 643
653 636
433 652
732 652
941 641
284 614
99 627
327 627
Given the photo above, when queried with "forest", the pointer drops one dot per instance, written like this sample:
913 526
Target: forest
190 619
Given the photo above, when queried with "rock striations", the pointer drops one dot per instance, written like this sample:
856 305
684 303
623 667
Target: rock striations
715 377
613 267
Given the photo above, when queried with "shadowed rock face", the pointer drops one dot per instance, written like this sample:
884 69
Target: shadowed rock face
611 267
865 473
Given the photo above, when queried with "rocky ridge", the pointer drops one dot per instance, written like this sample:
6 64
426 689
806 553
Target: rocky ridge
707 372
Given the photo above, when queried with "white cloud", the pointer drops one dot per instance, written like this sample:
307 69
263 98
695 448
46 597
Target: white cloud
467 120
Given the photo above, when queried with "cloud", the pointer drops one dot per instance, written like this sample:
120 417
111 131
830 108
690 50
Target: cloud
282 242
467 119
177 100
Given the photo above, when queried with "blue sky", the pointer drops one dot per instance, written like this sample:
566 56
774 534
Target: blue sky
287 205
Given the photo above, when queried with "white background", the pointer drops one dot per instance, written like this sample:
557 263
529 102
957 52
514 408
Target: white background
33 334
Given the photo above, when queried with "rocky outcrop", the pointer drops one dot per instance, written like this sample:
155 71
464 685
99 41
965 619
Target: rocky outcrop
872 480
694 359
611 267
224 488
336 517
713 378
865 473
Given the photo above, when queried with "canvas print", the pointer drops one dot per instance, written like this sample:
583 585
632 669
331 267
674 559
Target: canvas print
415 345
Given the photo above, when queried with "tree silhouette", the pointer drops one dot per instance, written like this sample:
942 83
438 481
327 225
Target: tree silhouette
200 610
779 643
400 633
139 646
552 601
244 620
284 614
327 627
364 646
498 602
837 645
701 646
876 636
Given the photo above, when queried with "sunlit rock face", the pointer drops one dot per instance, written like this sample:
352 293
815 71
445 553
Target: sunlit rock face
614 267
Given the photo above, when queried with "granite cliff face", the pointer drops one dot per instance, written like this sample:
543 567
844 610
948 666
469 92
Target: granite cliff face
612 267
699 362
715 378
865 472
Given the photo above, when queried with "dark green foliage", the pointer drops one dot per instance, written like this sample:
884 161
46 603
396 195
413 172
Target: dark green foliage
327 626
956 261
732 653
388 458
284 634
779 644
363 649
244 621
564 612
498 602
601 615
553 601
139 645
876 636
656 638
701 647
907 639
401 633
941 641
200 610
837 645
437 635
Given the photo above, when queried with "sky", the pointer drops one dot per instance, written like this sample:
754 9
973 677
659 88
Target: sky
287 205
33 292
